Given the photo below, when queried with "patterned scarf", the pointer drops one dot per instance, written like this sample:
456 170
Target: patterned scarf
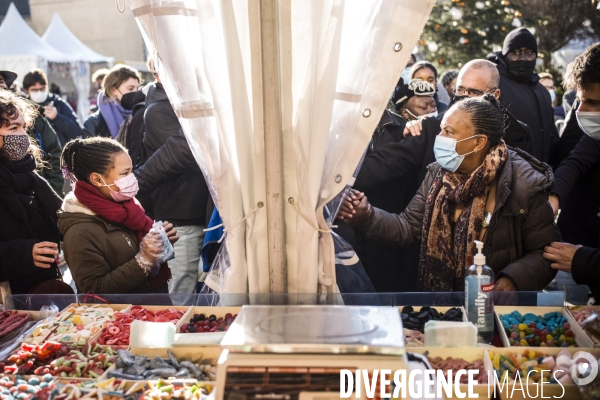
447 247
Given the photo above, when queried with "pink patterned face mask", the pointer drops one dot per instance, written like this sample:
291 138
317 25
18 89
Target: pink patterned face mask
128 188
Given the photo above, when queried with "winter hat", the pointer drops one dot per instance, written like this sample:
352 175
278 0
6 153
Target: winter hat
416 87
519 38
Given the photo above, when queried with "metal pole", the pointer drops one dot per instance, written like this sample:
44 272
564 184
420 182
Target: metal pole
273 144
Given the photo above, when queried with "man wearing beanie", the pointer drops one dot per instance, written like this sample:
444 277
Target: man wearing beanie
522 94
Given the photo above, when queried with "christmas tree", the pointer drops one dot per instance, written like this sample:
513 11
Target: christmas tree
459 31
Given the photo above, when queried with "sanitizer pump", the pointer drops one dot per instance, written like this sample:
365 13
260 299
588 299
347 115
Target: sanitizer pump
479 295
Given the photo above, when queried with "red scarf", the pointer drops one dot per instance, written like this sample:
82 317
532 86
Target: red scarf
129 213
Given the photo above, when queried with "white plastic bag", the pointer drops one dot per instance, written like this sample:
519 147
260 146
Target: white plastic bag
168 251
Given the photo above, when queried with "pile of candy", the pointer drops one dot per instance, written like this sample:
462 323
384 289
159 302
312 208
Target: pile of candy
116 333
130 367
115 389
551 330
416 320
11 321
75 324
581 313
17 388
59 359
176 390
199 323
545 368
413 338
455 364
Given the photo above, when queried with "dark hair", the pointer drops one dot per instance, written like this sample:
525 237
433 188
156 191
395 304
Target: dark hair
420 65
448 76
34 76
486 115
585 69
81 157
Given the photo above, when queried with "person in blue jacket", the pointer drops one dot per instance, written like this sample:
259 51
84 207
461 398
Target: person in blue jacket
60 114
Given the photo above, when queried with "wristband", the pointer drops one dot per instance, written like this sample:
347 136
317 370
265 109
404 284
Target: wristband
144 264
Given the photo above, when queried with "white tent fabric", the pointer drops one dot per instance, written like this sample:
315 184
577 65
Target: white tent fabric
21 49
339 60
60 37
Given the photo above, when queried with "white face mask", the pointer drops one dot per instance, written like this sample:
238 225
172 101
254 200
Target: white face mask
430 115
589 122
38 96
552 95
406 75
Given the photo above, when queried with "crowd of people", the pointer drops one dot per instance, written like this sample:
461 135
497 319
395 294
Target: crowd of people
482 153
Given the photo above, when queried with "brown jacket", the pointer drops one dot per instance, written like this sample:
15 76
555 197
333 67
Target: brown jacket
522 222
100 254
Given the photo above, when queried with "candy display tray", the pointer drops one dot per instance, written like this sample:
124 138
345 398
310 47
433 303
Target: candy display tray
116 307
440 309
571 392
581 338
154 309
569 310
193 353
202 338
468 354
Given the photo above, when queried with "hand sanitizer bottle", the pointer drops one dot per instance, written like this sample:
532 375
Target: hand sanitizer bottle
479 295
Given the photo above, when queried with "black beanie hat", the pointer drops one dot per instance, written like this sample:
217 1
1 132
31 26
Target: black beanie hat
518 38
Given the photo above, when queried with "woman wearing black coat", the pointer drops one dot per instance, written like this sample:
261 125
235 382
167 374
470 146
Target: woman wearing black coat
29 236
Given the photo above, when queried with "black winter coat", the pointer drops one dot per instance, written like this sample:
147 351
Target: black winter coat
571 135
95 125
46 137
522 222
585 267
382 262
530 103
160 120
28 215
578 189
66 123
171 174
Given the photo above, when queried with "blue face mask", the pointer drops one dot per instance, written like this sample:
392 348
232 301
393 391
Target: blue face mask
444 149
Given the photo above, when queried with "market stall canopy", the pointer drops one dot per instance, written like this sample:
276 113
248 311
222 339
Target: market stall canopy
21 49
59 36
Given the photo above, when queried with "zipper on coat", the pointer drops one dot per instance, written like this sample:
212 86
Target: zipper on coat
129 242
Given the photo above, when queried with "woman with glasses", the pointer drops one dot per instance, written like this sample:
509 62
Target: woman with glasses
478 189
523 95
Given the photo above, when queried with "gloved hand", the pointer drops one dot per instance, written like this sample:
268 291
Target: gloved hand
151 248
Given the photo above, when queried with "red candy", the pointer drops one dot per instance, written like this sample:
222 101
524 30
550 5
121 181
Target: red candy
117 333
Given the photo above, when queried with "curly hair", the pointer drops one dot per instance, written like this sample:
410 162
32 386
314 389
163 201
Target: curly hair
584 70
81 157
486 115
448 76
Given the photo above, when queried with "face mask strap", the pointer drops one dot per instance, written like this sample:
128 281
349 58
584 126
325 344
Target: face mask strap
408 111
103 181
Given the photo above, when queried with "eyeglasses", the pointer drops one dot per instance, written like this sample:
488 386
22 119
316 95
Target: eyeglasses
460 90
527 54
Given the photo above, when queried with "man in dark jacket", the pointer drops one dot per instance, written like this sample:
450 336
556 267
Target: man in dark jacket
178 191
407 160
60 114
522 94
41 131
577 190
